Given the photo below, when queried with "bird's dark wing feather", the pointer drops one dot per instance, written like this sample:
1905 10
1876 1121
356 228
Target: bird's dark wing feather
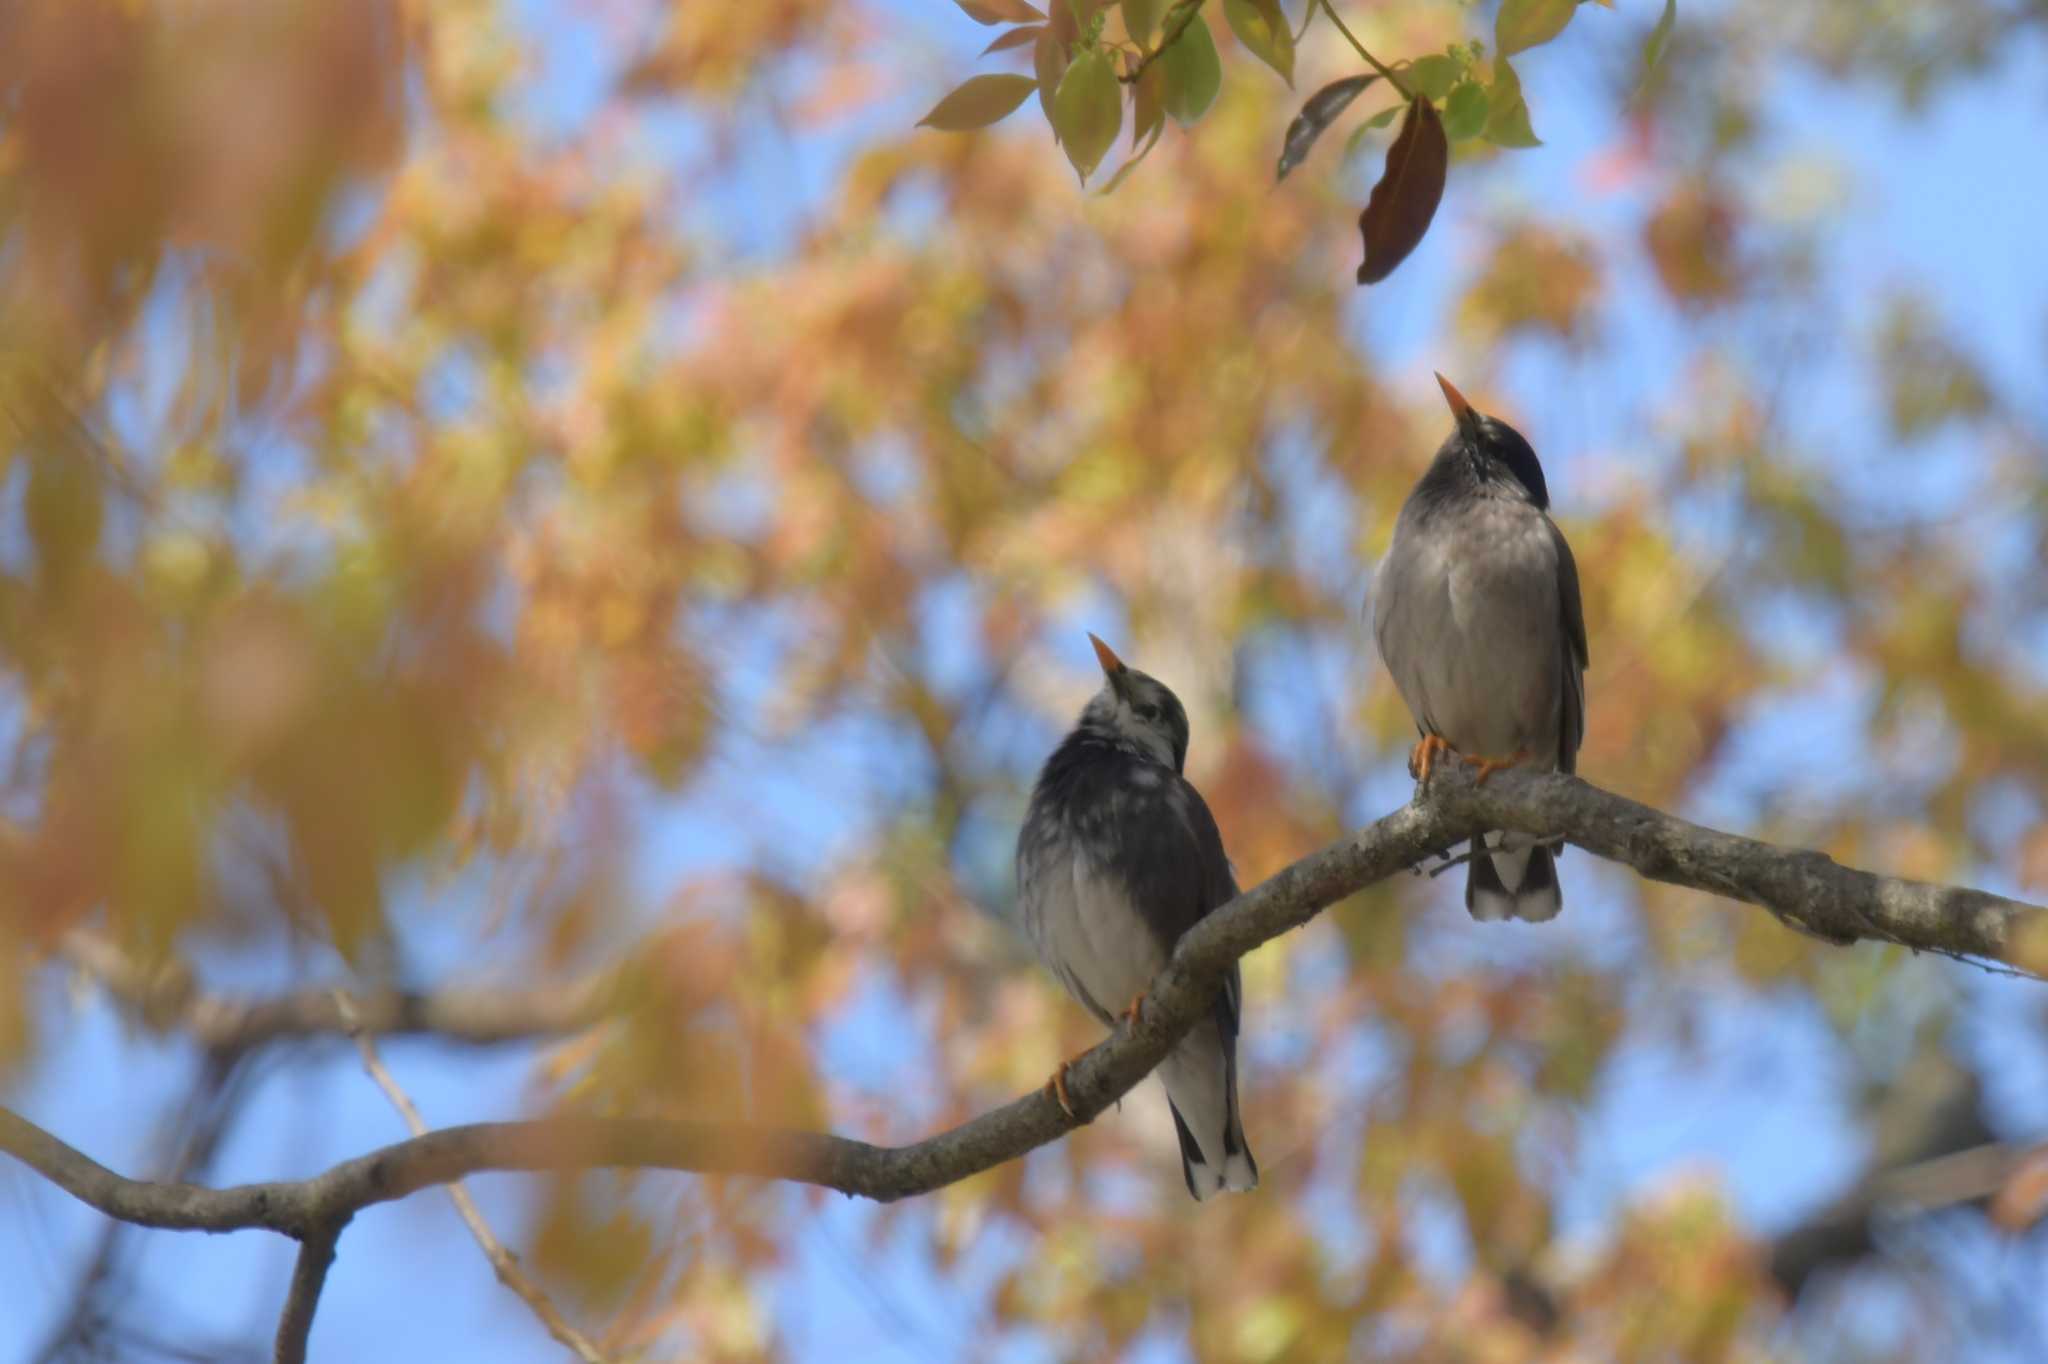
1219 888
1573 727
1146 824
1167 848
1163 844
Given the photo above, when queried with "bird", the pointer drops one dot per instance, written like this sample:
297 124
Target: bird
1477 615
1119 856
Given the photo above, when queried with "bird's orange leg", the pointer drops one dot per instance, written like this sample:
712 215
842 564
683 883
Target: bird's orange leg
1131 1010
1058 1086
1422 758
1424 755
1488 766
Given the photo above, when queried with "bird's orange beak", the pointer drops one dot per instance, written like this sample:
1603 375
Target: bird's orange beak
1111 664
1460 409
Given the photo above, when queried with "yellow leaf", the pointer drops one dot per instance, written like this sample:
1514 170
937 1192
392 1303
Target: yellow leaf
978 102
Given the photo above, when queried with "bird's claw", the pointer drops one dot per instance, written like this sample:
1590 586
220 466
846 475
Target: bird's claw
1134 1009
1058 1086
1488 766
1423 756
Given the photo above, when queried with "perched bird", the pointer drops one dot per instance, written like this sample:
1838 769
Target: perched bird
1476 611
1118 857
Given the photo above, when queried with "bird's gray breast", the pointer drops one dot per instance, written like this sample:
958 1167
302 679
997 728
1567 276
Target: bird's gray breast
1082 923
1467 616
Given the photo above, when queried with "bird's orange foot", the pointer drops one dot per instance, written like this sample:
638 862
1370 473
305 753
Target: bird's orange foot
1132 1010
1058 1086
1424 755
1488 766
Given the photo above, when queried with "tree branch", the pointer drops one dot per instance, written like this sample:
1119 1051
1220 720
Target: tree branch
309 1276
1374 62
167 998
1805 889
503 1261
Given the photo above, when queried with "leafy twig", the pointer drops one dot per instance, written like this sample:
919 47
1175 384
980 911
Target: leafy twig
1374 62
1189 9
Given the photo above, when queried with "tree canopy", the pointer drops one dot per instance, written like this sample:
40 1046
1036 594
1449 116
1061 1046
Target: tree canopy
574 527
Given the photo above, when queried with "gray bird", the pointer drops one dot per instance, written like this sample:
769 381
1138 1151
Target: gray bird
1477 614
1118 857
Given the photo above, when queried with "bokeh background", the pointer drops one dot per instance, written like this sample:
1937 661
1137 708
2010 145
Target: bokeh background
518 493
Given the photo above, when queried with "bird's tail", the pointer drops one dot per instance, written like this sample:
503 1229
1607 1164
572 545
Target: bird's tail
1201 1088
1511 883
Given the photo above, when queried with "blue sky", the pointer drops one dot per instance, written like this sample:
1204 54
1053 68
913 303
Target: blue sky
1937 200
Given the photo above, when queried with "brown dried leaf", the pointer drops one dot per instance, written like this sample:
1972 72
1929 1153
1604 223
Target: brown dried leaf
1015 37
1148 104
1405 199
999 11
1049 60
1691 241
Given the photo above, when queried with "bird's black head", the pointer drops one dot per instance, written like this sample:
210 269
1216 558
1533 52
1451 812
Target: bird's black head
1492 451
1137 711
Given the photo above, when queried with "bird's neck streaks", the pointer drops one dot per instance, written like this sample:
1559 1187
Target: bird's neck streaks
1460 472
1099 746
1489 460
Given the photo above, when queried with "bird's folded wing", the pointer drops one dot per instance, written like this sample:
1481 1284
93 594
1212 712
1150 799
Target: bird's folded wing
1572 728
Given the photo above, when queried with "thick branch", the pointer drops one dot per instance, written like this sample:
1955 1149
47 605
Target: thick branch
1806 889
1097 1080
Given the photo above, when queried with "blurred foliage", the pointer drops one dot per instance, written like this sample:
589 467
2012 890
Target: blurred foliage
405 476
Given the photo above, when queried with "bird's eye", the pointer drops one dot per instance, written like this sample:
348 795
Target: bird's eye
1148 711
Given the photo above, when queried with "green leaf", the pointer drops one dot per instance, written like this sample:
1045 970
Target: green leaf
1465 111
1140 17
1087 111
1131 163
1433 77
1653 50
1507 118
978 102
1193 74
1523 24
1378 120
999 11
1263 29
